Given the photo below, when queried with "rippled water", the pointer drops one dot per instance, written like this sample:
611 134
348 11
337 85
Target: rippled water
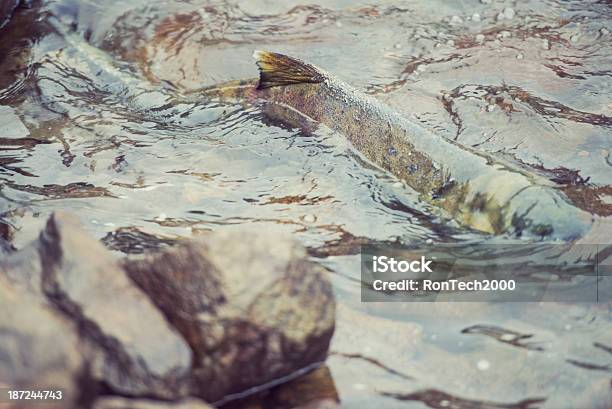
91 120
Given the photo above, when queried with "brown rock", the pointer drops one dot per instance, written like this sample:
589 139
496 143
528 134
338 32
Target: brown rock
251 305
6 9
314 390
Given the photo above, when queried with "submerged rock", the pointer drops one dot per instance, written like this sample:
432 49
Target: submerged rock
251 305
137 352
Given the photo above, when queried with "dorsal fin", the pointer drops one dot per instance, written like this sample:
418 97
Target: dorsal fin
278 69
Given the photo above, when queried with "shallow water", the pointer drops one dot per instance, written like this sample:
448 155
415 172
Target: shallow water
91 122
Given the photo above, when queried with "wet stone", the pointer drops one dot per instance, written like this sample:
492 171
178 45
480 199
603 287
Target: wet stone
23 270
251 305
39 348
137 352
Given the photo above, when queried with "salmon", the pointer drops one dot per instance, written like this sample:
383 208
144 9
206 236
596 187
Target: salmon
476 189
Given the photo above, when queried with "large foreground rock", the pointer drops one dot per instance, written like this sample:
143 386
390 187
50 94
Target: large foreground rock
137 352
208 318
251 305
39 348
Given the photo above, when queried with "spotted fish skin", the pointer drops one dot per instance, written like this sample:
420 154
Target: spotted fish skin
476 189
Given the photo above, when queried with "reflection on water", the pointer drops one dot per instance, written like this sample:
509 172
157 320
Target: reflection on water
91 120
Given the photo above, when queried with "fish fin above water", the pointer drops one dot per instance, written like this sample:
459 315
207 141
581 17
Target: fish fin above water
278 70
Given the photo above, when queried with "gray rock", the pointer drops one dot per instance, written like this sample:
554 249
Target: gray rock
39 348
123 403
137 352
251 305
23 269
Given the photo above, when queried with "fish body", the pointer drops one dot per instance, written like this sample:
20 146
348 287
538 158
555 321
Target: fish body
472 187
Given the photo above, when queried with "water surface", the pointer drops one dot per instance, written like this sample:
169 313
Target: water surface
89 122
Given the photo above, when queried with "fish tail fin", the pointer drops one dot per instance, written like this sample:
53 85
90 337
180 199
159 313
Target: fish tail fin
278 70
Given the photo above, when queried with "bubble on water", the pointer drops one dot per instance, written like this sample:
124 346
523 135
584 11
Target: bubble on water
397 45
483 365
310 218
338 24
456 20
445 403
475 17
